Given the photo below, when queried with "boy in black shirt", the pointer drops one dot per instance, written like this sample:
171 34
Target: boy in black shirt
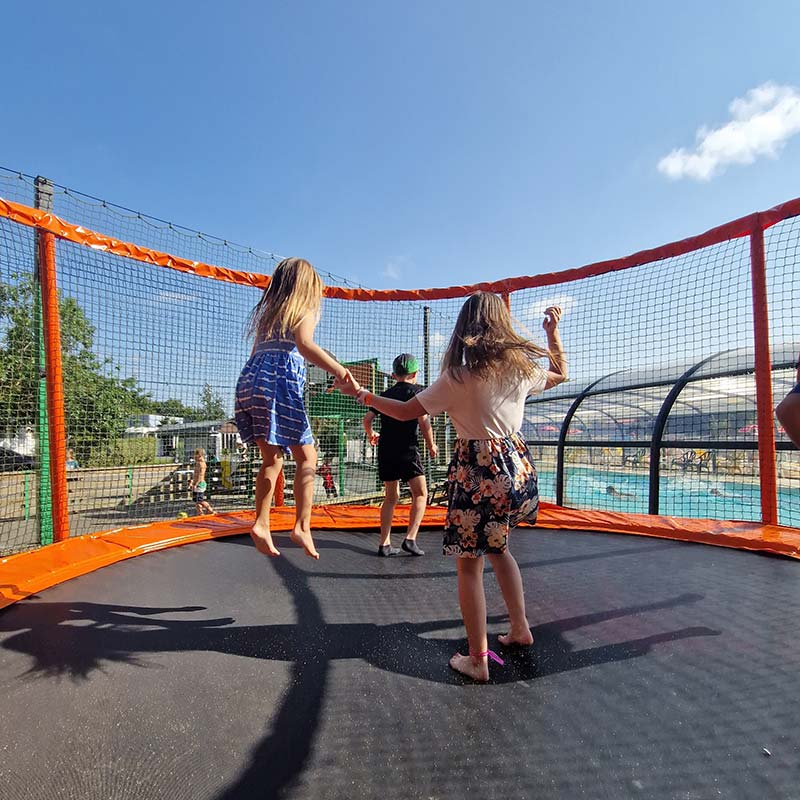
398 457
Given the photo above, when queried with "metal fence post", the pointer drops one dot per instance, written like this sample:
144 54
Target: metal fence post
43 199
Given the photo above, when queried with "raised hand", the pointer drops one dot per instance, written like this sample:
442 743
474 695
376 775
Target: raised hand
552 314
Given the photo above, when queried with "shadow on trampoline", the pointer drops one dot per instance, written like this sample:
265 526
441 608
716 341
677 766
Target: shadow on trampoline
74 639
369 551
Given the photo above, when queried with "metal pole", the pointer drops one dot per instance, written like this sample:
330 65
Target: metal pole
426 376
54 379
426 345
43 199
767 469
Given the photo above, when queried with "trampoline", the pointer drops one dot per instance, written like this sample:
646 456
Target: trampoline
661 669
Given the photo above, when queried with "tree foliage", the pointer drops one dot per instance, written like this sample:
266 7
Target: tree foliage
211 405
98 400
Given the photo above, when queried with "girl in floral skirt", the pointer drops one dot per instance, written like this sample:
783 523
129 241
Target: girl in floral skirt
487 372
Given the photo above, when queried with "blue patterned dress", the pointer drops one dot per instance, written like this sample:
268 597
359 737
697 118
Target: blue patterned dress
269 396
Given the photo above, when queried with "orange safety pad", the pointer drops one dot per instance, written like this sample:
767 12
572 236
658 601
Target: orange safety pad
25 574
744 226
776 539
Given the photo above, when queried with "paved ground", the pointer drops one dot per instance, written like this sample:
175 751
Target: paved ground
660 670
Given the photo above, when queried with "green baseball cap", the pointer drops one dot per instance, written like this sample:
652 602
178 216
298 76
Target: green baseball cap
405 364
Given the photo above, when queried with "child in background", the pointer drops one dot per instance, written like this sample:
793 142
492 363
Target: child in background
328 484
197 483
72 462
487 372
398 457
269 394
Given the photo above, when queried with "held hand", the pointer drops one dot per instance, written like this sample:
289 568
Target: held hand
552 315
340 382
347 384
372 438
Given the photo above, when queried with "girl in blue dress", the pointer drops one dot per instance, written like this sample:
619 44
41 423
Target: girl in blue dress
269 394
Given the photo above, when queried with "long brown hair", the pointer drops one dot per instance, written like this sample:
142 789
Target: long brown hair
485 343
294 290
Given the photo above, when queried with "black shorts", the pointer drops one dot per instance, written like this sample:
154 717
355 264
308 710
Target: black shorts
198 497
404 467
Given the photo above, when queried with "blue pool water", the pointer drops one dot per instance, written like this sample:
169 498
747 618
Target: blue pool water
681 495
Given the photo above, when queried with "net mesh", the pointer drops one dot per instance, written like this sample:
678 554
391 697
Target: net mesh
151 357
20 412
782 250
631 336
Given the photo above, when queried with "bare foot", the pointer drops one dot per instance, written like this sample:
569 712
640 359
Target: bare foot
303 538
467 666
522 638
262 539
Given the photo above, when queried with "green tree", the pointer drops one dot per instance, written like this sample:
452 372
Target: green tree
211 405
18 357
173 408
98 402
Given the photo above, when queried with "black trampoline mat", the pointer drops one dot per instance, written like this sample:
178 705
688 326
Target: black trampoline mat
660 670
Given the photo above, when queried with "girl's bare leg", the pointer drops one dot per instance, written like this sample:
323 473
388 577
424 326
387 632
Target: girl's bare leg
472 600
391 494
305 457
271 465
509 579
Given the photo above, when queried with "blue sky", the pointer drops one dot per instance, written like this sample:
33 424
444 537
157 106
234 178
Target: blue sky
401 144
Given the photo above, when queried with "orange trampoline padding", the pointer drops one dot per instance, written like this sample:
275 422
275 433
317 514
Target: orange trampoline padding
26 574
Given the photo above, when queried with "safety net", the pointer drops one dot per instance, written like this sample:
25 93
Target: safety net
122 337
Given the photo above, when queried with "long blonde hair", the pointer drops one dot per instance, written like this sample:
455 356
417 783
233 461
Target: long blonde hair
485 343
294 290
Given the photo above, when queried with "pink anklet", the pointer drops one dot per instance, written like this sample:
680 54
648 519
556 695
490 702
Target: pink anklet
496 658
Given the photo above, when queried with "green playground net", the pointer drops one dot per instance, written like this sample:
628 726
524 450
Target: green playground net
660 414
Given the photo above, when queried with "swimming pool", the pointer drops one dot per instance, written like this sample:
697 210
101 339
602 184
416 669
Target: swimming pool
681 495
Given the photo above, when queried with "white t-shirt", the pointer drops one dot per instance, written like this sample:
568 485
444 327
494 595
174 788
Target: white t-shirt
481 409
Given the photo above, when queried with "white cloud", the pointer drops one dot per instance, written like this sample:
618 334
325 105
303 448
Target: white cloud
175 297
391 271
395 267
761 123
438 341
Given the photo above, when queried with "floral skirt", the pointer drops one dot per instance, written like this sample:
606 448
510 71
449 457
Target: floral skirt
491 488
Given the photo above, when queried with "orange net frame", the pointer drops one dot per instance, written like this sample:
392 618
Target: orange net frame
676 355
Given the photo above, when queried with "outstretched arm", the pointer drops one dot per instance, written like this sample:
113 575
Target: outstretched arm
311 351
398 409
788 411
427 434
